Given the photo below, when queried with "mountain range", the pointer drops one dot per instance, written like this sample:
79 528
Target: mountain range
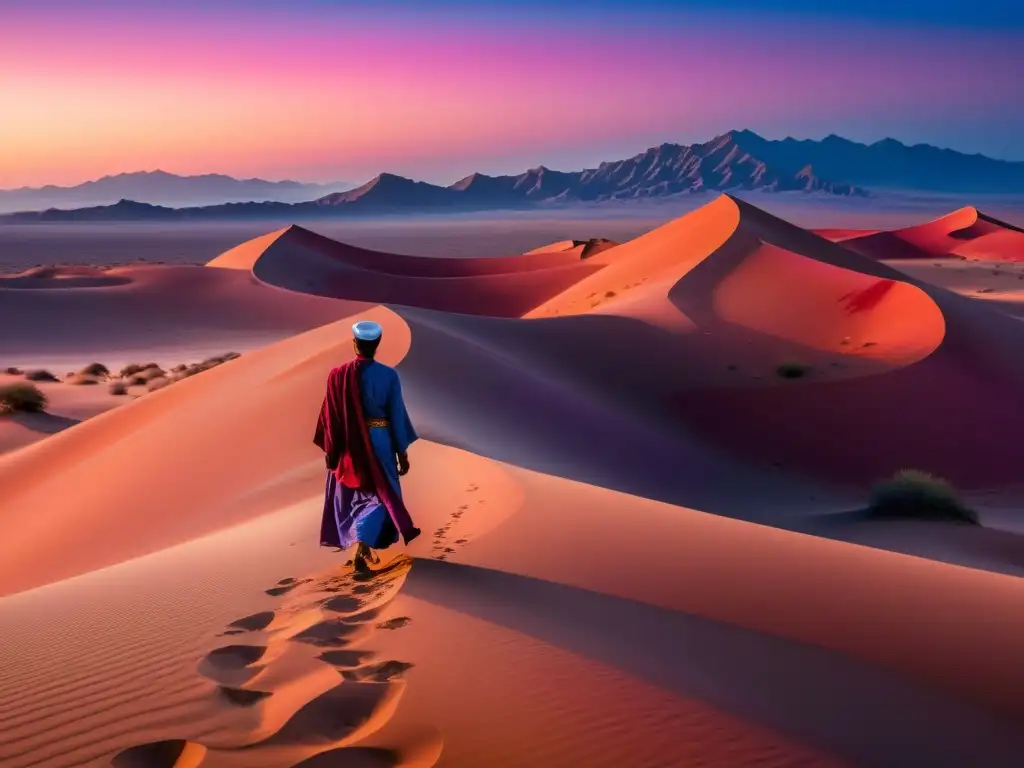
161 188
738 160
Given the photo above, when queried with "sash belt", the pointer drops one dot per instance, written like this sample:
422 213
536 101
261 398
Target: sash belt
378 423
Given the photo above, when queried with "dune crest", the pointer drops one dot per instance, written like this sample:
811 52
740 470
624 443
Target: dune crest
963 233
303 261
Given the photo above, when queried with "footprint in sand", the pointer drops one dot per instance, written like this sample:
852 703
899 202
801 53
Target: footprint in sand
329 632
396 623
341 604
363 616
383 672
242 697
173 753
336 714
342 657
254 623
236 656
232 665
284 586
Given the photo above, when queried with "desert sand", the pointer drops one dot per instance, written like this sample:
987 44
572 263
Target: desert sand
618 481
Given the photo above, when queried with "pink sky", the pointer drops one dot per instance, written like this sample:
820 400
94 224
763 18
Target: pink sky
258 96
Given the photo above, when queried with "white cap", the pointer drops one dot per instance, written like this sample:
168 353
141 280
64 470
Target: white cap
367 330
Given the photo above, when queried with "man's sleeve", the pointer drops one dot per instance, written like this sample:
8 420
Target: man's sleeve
402 429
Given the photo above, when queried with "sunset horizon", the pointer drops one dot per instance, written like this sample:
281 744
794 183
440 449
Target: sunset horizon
327 91
442 180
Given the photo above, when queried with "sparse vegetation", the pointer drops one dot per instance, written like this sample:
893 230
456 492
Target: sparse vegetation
81 380
147 375
98 370
130 370
134 368
218 359
157 383
118 387
40 375
792 370
12 371
912 493
21 396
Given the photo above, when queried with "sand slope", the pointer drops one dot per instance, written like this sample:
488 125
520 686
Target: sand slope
965 233
572 602
300 260
558 608
136 314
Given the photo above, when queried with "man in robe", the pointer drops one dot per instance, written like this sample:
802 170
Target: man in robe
364 431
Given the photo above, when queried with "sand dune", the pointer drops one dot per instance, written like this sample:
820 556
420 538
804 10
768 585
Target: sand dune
965 233
165 603
301 260
162 313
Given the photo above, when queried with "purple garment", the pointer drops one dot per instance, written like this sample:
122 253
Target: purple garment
351 516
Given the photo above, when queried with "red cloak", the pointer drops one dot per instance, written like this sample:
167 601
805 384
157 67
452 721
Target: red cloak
342 434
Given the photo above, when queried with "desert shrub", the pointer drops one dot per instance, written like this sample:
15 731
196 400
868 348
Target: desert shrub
12 371
133 368
130 370
118 388
179 368
40 375
21 396
792 370
80 380
157 383
95 369
218 359
149 373
911 493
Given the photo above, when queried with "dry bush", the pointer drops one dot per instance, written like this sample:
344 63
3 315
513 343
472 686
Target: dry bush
157 383
12 371
40 375
79 379
218 359
21 396
911 493
130 370
98 370
134 368
147 374
118 388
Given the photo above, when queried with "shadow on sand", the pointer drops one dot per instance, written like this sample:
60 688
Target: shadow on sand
852 709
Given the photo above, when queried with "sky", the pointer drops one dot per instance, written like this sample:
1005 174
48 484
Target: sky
330 90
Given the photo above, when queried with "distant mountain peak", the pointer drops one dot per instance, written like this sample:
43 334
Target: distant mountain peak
739 160
160 187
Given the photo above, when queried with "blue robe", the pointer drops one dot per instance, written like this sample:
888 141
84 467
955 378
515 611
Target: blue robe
350 515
